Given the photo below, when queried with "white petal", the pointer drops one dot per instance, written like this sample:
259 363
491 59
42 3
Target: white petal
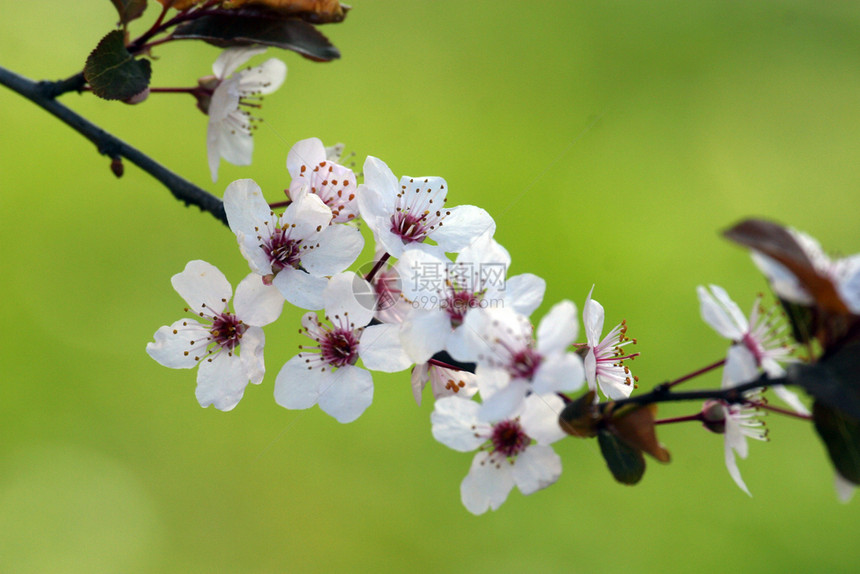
221 381
172 342
251 352
463 225
349 295
740 367
337 248
783 282
263 79
419 378
303 290
506 403
307 216
557 329
732 466
308 153
535 468
524 293
721 313
592 320
258 259
559 372
233 144
791 399
456 424
346 393
224 101
487 485
246 208
540 418
423 276
230 59
484 249
376 195
297 386
424 333
256 303
203 287
380 349
844 487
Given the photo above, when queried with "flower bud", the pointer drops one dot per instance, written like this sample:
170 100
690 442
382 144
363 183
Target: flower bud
714 416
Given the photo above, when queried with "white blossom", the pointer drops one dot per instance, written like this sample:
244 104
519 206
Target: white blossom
215 344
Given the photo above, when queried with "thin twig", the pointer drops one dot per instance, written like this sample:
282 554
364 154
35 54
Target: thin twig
43 94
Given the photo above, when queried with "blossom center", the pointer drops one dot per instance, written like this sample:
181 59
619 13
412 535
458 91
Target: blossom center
458 303
525 363
282 251
409 227
339 347
509 439
227 331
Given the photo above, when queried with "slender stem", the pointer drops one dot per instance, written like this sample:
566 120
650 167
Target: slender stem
767 407
41 94
688 418
663 394
369 277
695 374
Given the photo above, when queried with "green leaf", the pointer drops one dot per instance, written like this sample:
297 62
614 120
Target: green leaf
246 26
112 71
841 435
834 380
129 9
625 462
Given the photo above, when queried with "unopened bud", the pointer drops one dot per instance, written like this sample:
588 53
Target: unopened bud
714 416
138 98
116 166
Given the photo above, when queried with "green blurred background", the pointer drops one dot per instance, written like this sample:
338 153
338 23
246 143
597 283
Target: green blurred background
611 141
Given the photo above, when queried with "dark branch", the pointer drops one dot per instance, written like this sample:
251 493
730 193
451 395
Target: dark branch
43 94
663 393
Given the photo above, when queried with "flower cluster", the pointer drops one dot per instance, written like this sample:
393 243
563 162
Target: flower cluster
438 299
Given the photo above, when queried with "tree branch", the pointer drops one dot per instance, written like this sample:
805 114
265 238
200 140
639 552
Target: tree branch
43 93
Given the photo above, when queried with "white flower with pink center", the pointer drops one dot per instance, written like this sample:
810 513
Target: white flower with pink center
215 344
443 292
512 363
311 170
298 250
736 422
404 214
326 372
513 451
230 124
758 342
604 359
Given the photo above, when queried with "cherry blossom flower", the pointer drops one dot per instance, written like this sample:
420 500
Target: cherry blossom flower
297 250
736 422
757 342
443 293
604 359
512 362
405 214
844 273
444 382
326 373
512 451
224 370
229 131
310 169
